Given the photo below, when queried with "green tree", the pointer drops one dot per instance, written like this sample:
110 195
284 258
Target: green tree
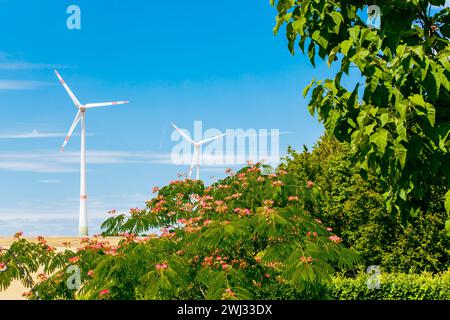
397 119
354 207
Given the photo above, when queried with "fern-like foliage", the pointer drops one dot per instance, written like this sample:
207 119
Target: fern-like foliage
252 235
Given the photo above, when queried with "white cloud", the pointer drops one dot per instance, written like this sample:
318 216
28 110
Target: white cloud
32 135
36 135
61 162
9 62
6 84
50 181
28 66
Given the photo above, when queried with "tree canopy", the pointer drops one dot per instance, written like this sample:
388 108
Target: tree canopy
397 118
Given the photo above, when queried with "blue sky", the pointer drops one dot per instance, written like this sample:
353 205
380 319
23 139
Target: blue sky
177 61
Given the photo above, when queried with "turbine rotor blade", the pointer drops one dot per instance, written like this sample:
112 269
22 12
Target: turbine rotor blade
72 128
212 139
72 96
183 134
103 104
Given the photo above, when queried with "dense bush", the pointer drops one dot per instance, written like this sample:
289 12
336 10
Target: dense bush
249 236
355 208
398 286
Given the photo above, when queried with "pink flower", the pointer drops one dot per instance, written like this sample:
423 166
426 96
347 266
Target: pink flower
230 292
267 275
329 229
155 189
74 259
41 277
241 211
18 235
162 266
90 273
309 184
103 293
293 198
318 220
277 183
41 239
2 266
304 259
207 222
335 239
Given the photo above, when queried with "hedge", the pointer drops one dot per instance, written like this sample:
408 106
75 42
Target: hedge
393 286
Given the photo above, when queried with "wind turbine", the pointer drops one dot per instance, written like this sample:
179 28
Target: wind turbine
197 145
81 116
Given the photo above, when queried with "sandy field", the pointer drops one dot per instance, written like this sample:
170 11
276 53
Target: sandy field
14 292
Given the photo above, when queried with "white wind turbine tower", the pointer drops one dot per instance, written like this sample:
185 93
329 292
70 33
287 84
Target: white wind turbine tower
81 115
197 145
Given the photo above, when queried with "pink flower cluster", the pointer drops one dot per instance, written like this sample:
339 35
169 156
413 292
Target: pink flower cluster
278 183
18 235
230 292
335 239
304 259
41 277
74 259
159 206
242 212
207 222
41 240
134 211
104 293
229 171
221 207
162 266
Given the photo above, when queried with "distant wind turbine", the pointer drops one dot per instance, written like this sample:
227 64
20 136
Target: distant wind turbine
197 145
81 115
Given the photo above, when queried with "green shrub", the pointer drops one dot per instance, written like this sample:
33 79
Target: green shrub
354 208
394 286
